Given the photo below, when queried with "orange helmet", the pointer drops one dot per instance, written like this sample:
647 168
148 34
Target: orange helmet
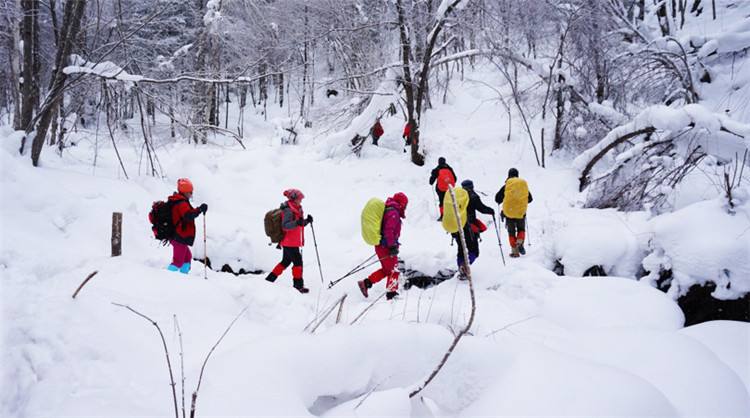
184 186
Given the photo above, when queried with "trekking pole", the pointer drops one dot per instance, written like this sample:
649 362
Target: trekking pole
361 266
205 256
317 255
499 241
526 227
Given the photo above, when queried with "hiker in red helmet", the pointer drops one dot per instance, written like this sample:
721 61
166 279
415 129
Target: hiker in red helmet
293 223
387 250
183 217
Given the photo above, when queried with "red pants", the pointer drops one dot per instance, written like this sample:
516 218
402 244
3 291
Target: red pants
388 269
180 253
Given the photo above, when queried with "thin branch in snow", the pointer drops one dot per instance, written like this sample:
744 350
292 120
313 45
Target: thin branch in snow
166 353
205 361
86 280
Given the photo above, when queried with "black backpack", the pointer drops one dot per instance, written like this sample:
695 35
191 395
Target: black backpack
161 220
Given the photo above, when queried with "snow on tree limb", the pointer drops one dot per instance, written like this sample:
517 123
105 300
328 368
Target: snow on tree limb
652 119
110 71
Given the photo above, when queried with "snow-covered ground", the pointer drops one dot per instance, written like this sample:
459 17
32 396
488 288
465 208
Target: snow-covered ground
541 344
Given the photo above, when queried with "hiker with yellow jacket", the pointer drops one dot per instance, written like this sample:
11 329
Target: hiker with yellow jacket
515 198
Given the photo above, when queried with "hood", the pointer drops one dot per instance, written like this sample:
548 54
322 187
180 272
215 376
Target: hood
177 197
393 203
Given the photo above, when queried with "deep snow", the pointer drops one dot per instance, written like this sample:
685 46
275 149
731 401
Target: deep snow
541 344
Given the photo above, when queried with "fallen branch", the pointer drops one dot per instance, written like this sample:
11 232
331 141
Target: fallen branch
466 329
166 352
367 308
341 309
510 325
86 280
339 301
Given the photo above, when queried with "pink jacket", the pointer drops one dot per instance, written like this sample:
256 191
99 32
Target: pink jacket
392 223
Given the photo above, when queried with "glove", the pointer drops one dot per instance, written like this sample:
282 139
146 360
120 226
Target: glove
203 208
393 250
309 219
301 222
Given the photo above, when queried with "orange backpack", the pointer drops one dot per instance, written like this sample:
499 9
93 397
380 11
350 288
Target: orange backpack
445 179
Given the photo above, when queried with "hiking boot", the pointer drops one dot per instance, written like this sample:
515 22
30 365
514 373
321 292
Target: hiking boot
364 285
514 252
299 284
185 269
172 267
440 219
271 277
391 295
520 247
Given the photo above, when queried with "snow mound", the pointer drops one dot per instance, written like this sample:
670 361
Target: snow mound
543 382
594 303
604 238
729 340
702 243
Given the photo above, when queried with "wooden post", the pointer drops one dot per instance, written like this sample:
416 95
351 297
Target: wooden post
116 234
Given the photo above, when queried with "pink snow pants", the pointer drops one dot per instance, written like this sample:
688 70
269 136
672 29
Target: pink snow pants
180 253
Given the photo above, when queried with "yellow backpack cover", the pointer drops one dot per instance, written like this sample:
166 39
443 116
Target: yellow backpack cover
450 223
372 220
516 198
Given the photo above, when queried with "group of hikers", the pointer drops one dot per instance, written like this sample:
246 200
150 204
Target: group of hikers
174 221
377 131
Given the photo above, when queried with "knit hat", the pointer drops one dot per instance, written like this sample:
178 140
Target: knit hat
441 160
184 186
467 184
401 199
512 173
294 195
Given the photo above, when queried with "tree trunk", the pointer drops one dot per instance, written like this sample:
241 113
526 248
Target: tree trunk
71 25
407 80
15 70
29 88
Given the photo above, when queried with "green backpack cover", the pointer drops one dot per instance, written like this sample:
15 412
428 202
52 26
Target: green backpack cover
372 221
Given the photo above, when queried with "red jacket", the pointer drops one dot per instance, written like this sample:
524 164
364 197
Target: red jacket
407 130
294 234
377 130
183 217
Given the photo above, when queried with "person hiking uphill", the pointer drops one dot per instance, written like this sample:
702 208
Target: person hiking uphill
376 131
515 198
474 227
387 250
293 224
183 218
444 175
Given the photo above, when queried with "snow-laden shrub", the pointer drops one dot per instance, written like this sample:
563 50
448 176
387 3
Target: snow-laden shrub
699 245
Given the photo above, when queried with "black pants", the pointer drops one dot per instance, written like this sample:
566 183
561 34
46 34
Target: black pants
515 225
292 255
441 197
472 245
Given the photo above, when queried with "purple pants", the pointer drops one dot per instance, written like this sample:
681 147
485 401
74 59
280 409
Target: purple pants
180 253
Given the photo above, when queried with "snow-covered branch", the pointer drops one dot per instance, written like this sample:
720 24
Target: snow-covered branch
110 71
653 119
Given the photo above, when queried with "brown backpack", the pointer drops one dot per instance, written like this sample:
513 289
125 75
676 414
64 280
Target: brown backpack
272 225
